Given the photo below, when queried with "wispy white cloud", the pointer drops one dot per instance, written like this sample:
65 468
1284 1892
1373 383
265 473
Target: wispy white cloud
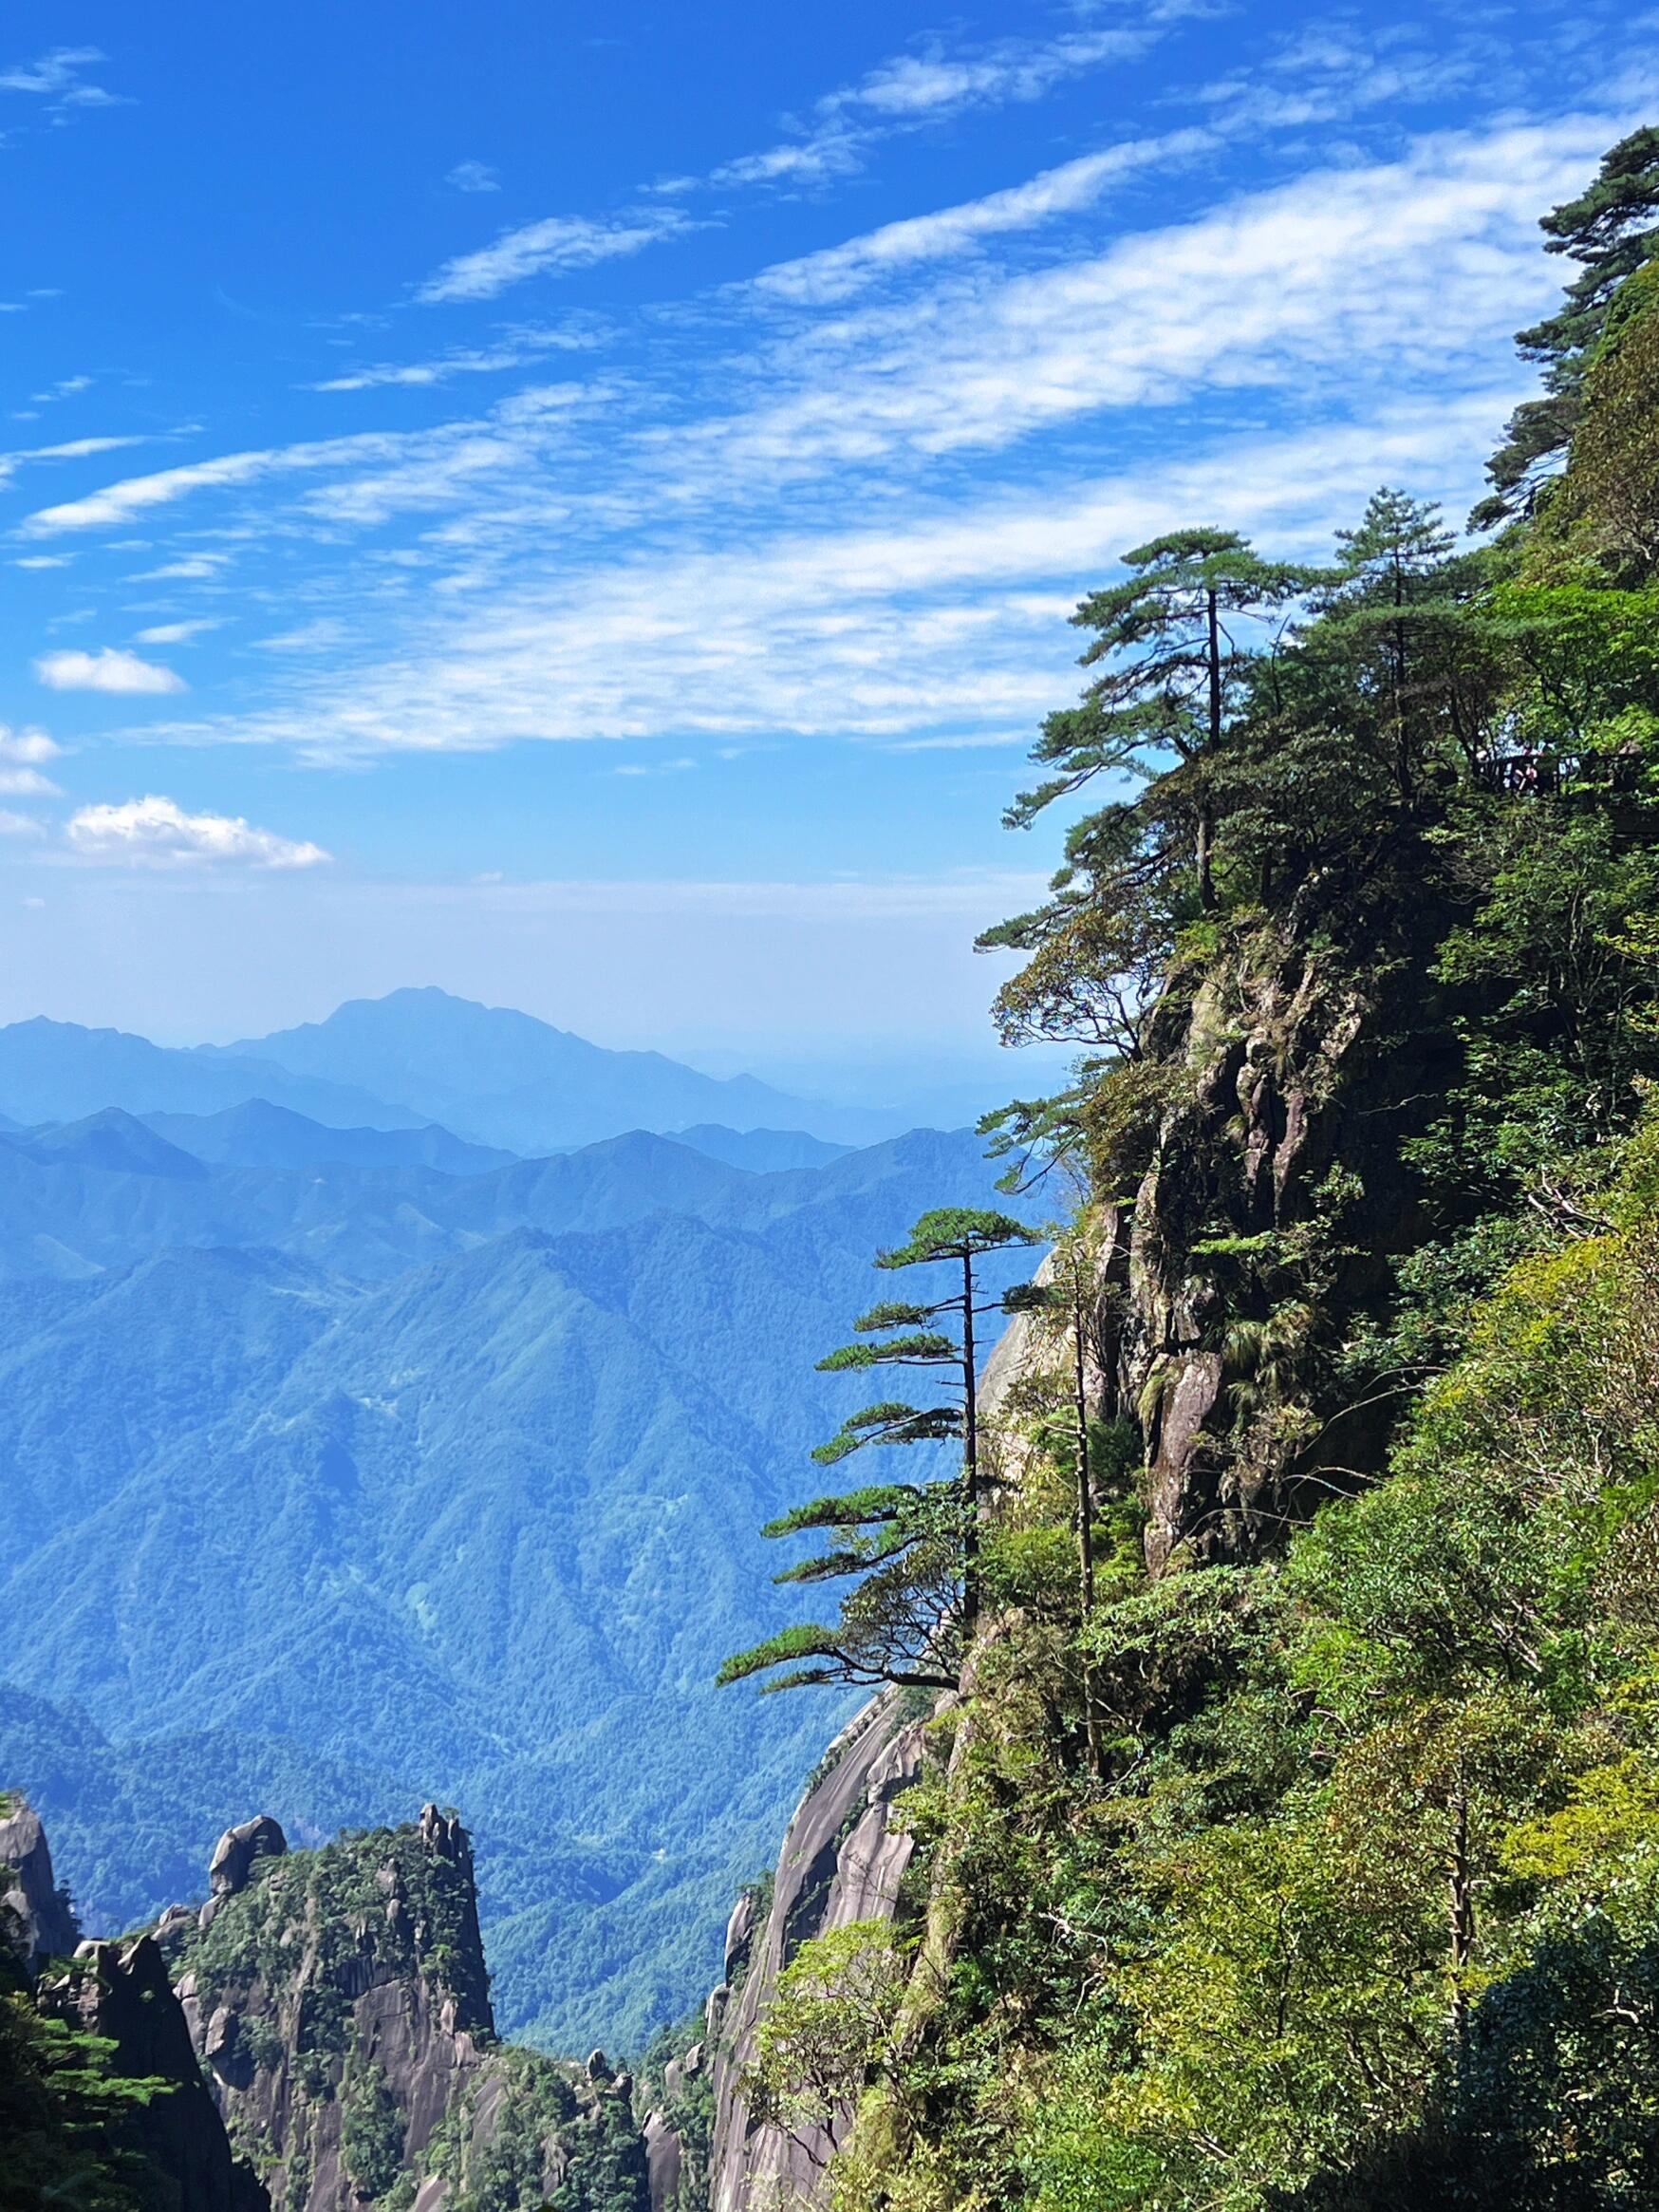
937 80
751 610
405 469
511 351
473 177
71 449
157 832
909 90
58 77
194 568
1343 273
16 825
317 636
110 669
67 387
951 625
547 248
26 784
832 150
176 633
119 502
837 271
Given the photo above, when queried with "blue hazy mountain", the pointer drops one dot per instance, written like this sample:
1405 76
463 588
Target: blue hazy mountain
259 1134
56 1071
64 1214
113 1140
763 1151
336 1487
502 1078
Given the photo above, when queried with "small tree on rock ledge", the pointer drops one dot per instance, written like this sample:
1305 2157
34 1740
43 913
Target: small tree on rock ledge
911 1547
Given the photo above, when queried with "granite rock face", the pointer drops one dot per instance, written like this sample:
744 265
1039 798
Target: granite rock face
44 1921
239 1849
842 1860
338 2004
122 1994
1276 1070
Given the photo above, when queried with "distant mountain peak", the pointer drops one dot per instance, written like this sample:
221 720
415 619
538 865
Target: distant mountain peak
112 1140
500 1077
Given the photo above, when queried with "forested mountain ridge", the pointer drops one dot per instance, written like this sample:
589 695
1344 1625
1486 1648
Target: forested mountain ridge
1290 1837
335 1488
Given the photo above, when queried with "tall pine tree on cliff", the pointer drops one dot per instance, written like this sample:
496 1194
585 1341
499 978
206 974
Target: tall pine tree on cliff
1611 230
1175 644
912 1549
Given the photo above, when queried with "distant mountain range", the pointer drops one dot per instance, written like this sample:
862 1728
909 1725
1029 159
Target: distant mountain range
351 1461
491 1076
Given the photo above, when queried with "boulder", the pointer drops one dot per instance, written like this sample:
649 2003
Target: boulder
664 2158
238 1850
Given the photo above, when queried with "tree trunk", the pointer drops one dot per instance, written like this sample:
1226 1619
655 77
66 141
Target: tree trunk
1461 1914
970 1460
1085 1527
1397 675
1206 883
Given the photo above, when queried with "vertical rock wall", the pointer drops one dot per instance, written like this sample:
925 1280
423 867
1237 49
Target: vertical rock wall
841 1861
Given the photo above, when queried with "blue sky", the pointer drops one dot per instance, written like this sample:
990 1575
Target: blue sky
581 505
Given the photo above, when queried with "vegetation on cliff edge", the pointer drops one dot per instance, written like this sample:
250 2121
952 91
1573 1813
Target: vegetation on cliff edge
1308 1855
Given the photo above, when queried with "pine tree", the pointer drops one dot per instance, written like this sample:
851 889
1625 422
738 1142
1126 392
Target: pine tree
1173 674
1611 231
911 1547
1388 608
1176 658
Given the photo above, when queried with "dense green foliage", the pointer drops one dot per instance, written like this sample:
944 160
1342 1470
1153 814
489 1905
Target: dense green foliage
1319 1868
61 2112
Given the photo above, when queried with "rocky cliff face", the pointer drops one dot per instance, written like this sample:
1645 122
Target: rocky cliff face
120 1993
1267 1073
339 2004
44 1922
171 2150
1246 1253
842 1860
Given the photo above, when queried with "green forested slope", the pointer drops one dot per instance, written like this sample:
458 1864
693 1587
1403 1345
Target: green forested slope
282 1534
1313 1858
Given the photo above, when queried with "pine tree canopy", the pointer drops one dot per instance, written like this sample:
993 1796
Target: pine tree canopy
1609 229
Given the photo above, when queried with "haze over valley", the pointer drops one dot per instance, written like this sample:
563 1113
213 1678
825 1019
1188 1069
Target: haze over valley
355 1462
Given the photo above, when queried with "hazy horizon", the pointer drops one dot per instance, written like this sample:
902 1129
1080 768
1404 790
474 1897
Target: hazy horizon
593 524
